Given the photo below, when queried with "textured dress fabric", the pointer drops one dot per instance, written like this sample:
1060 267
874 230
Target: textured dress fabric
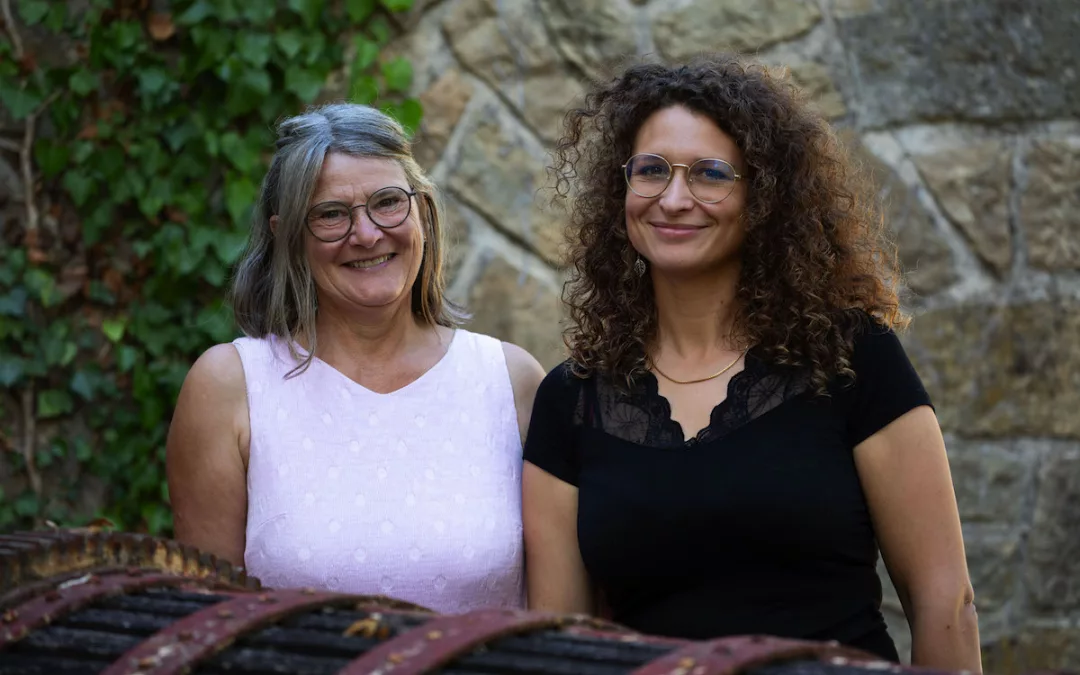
415 494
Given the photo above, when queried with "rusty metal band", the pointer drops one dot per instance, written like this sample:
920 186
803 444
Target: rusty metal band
617 633
446 638
25 591
179 647
733 655
72 595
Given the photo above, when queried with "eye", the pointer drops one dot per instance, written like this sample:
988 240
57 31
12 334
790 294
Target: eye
713 172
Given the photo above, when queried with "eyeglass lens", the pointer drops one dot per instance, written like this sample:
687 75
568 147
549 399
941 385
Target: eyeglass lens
389 207
710 180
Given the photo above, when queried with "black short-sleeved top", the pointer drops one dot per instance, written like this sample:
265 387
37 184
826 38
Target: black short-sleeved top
756 525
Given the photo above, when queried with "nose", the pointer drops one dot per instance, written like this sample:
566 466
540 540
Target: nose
365 233
677 196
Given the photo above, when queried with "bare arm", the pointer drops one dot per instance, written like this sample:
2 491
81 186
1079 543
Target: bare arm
557 580
525 376
206 456
905 475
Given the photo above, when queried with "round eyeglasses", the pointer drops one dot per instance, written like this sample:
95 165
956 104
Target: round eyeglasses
333 221
709 180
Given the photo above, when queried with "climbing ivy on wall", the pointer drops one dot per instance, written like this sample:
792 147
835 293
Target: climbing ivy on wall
140 138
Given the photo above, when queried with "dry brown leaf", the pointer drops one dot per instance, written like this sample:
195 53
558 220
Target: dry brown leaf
161 26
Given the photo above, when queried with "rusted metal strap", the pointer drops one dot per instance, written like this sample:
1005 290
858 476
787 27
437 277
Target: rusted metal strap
179 647
733 655
73 595
25 591
446 638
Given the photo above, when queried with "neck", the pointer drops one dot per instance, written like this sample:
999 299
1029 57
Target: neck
696 314
378 335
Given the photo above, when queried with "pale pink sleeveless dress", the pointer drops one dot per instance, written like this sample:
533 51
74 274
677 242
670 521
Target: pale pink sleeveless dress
414 494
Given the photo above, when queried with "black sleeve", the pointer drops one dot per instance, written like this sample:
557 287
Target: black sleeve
886 383
551 441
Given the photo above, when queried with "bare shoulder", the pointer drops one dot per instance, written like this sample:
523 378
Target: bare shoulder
212 402
218 368
526 373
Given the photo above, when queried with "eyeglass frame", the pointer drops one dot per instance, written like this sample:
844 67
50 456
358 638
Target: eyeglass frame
352 209
689 180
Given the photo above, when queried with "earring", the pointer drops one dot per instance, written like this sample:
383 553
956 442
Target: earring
639 266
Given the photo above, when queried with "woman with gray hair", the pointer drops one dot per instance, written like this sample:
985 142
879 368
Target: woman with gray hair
356 438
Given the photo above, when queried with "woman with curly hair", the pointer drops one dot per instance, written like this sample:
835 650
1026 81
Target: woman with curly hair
738 429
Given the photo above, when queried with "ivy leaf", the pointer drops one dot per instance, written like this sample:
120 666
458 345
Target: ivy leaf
363 89
42 285
33 11
82 82
200 11
54 403
258 13
79 186
152 81
14 303
51 157
18 100
254 48
397 73
240 194
409 114
11 369
380 30
358 10
126 358
241 152
397 5
304 83
229 245
309 10
290 42
83 385
366 53
114 327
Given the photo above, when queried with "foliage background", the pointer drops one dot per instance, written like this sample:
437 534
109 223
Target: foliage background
141 131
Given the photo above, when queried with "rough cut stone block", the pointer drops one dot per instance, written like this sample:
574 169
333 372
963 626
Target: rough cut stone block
925 257
994 481
507 46
443 102
1053 569
596 35
500 171
513 306
1002 370
731 25
978 60
1050 205
971 184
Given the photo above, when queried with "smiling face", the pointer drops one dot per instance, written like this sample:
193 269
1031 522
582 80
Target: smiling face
372 267
676 232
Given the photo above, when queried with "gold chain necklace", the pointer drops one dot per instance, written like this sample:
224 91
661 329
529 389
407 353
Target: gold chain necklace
704 379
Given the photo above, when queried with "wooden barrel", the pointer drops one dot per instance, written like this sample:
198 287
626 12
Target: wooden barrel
81 603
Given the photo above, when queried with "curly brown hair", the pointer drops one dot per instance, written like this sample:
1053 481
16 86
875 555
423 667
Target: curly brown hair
815 247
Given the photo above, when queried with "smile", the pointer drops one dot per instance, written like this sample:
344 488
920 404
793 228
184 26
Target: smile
676 231
370 262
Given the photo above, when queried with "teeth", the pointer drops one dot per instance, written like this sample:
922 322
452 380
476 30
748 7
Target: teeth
370 263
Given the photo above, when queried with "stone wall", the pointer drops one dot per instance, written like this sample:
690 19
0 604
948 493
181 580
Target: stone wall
966 110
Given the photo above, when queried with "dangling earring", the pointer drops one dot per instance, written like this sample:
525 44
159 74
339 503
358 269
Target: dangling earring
639 266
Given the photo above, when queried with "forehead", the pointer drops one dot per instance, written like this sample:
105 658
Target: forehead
349 177
683 136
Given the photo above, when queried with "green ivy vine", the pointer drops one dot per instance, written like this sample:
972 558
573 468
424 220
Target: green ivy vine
140 139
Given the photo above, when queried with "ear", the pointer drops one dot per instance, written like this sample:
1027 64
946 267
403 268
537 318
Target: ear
273 224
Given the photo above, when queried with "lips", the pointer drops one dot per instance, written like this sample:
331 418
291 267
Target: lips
677 226
370 262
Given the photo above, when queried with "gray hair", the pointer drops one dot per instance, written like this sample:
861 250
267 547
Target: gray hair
273 293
